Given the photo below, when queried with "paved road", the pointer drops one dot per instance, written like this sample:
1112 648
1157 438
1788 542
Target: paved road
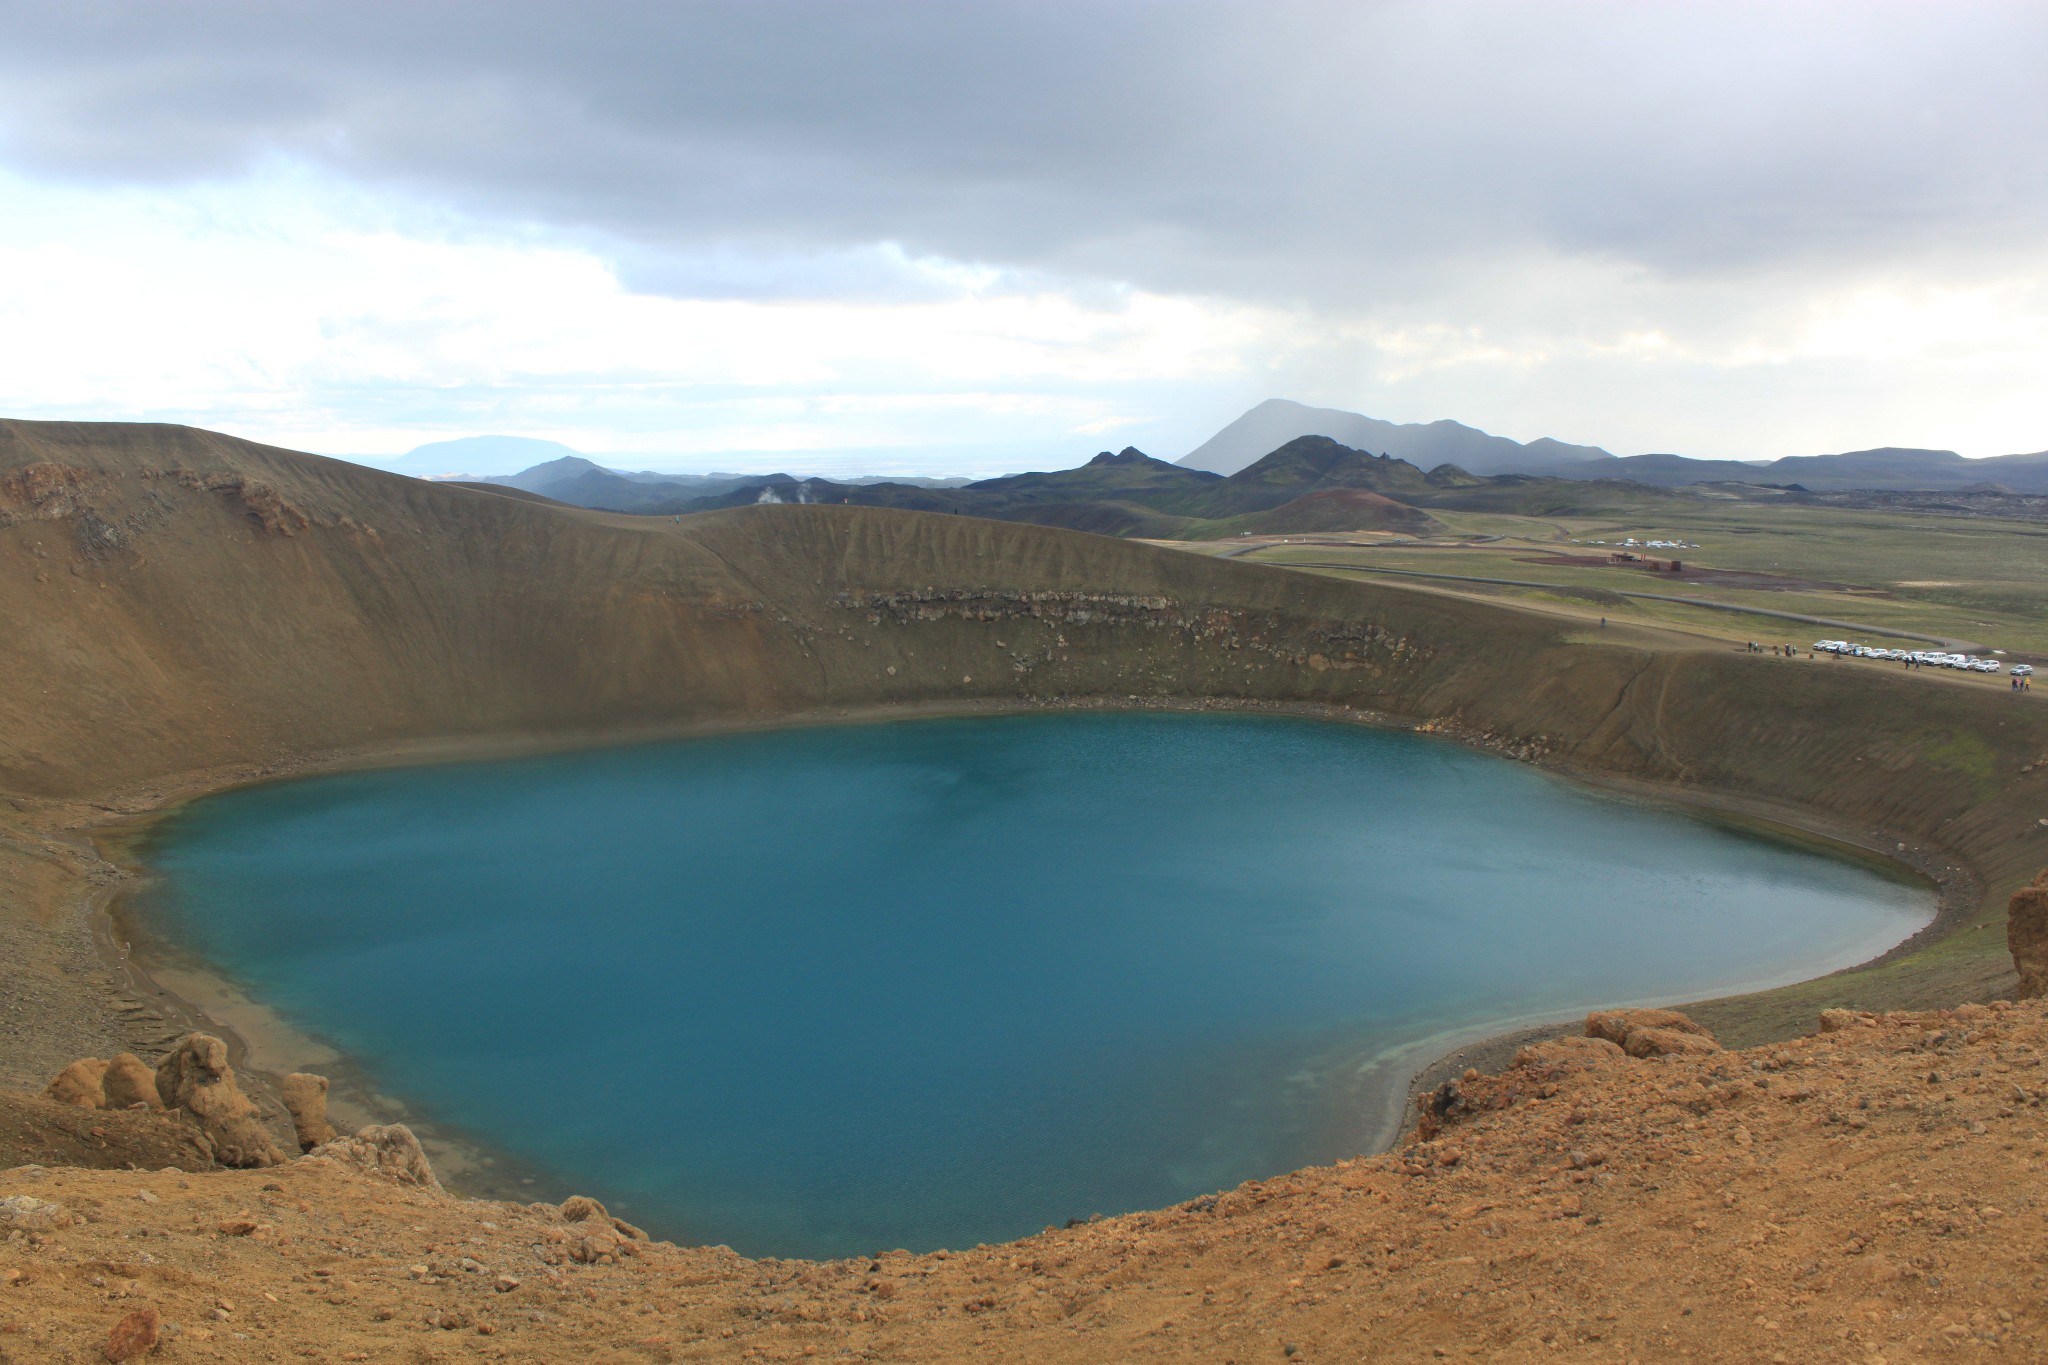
1853 627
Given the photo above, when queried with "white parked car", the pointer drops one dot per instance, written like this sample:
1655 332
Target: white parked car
2022 670
1983 665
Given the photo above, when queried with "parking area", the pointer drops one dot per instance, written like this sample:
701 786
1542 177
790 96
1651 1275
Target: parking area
2021 675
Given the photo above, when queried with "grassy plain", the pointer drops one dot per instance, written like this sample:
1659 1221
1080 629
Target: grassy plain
1969 578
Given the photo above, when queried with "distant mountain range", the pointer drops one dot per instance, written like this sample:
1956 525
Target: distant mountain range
1280 467
1310 483
1276 421
470 456
585 483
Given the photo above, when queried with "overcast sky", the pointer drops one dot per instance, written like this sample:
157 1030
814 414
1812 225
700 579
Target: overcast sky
970 235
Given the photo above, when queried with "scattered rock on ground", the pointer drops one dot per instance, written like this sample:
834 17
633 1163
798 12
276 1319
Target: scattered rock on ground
1604 1210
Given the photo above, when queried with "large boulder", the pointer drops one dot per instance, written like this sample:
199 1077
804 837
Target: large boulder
83 1083
581 1208
1667 1042
130 1082
1650 1033
388 1150
1569 1053
305 1096
197 1079
134 1335
2026 934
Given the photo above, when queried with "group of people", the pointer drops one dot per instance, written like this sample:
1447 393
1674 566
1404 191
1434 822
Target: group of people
2021 683
1783 651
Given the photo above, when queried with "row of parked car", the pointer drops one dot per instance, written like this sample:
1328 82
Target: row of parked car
1926 658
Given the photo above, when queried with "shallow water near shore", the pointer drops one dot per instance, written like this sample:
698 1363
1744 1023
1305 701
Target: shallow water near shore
831 991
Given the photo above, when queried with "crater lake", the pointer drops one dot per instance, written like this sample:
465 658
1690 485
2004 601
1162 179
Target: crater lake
830 991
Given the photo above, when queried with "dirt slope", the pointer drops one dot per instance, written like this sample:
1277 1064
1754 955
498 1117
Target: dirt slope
185 608
1871 1194
181 600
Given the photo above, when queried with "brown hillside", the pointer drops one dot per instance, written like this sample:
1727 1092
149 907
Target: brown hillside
1344 509
504 491
184 610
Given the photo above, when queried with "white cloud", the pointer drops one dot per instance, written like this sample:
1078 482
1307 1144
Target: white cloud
297 311
803 231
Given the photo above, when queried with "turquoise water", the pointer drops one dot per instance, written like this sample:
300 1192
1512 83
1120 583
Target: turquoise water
832 991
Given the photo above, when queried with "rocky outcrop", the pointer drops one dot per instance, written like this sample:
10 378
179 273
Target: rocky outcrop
1321 645
600 1239
30 1214
1650 1033
264 504
82 1084
305 1098
386 1150
47 491
1628 1210
1571 1053
581 1208
2026 934
195 1082
130 1082
197 1079
90 1083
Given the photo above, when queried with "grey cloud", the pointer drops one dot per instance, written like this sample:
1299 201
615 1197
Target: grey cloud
1341 151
